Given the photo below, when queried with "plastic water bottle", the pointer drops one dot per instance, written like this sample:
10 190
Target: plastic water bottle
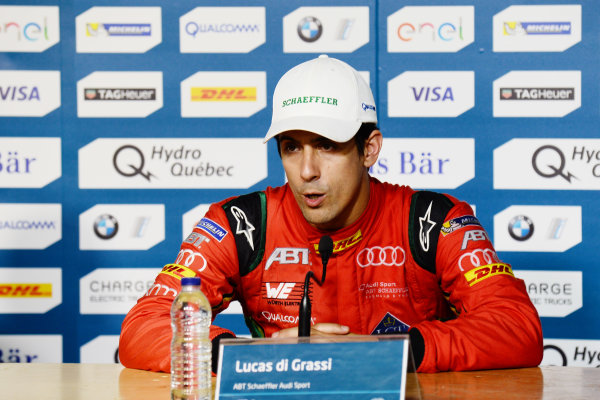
191 349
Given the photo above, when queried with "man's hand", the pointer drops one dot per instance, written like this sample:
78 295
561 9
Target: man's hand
320 329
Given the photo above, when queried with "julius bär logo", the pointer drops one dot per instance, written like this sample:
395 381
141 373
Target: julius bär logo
310 29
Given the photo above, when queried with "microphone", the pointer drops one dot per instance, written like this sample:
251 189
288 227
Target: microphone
325 249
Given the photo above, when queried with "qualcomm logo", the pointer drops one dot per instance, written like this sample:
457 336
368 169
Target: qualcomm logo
30 226
426 163
118 29
28 29
537 228
325 29
29 93
537 28
29 162
122 227
134 94
564 164
431 93
222 30
537 93
172 163
430 29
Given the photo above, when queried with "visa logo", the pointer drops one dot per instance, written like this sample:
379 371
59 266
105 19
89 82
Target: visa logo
19 93
435 93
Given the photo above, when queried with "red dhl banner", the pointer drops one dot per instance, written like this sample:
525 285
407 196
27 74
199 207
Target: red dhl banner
178 271
224 94
478 274
26 290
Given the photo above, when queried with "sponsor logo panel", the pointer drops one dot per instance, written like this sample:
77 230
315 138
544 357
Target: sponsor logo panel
223 94
476 275
325 29
32 349
431 93
537 228
426 163
458 223
30 290
103 349
477 258
564 164
222 29
390 325
382 290
122 227
572 353
191 218
343 244
288 255
28 29
114 290
118 29
29 162
30 225
552 28
120 94
554 293
29 93
537 93
430 29
172 163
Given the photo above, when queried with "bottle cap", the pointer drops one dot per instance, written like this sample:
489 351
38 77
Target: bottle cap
193 281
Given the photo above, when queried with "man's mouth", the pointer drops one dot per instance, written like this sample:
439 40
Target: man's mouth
313 199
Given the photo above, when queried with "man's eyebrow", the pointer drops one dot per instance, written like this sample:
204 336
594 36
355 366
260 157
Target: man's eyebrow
283 137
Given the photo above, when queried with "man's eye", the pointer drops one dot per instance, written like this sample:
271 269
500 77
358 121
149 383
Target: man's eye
289 147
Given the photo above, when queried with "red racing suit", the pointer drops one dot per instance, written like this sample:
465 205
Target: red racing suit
414 260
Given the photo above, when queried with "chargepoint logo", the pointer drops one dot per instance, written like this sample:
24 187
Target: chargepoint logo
562 164
29 162
122 227
537 228
31 349
118 29
426 163
553 293
430 29
223 94
29 93
431 93
30 290
114 290
30 226
537 93
572 353
28 29
133 94
222 29
325 29
537 28
172 163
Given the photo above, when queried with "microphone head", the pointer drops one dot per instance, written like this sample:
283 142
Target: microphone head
325 248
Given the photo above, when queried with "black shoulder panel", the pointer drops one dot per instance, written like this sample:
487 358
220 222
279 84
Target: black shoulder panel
247 216
427 214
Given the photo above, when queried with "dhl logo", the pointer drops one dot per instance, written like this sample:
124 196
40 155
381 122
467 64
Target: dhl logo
224 94
178 271
26 290
343 244
478 274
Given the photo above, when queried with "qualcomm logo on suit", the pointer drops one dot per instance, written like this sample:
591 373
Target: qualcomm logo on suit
431 93
426 163
118 29
562 164
537 228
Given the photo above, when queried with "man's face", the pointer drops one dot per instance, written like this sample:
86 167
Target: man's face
329 180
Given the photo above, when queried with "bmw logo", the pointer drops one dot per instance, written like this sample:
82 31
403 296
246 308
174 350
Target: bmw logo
106 226
520 228
310 29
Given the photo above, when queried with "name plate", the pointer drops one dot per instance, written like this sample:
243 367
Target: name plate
352 367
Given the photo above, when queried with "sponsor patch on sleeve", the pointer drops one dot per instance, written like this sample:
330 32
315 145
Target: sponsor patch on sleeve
478 274
458 223
212 228
390 325
178 271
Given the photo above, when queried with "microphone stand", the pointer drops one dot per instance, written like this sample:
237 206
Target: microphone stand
304 314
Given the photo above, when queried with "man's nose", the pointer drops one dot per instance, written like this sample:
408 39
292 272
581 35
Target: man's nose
309 170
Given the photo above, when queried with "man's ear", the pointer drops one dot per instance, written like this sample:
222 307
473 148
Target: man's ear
372 148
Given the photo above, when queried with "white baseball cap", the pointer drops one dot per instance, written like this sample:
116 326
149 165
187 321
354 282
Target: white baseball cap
325 96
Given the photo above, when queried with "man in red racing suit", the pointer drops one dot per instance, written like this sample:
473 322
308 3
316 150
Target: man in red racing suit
404 261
